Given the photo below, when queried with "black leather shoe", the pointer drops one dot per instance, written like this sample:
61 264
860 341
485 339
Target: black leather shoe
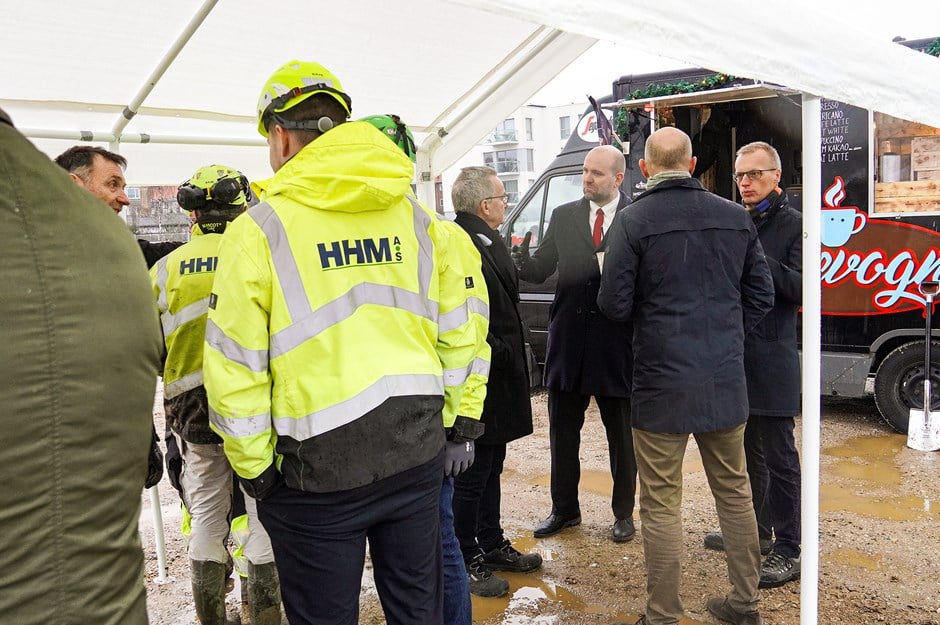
622 531
555 523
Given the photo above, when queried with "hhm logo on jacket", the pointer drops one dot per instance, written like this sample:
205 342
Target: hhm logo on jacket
198 265
358 252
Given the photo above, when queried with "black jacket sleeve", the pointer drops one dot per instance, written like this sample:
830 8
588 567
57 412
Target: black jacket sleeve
757 287
155 251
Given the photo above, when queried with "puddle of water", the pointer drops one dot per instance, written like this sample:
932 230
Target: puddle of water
872 460
835 498
529 544
601 483
598 482
526 600
853 557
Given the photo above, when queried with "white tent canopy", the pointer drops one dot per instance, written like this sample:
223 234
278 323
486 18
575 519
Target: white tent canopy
452 70
193 70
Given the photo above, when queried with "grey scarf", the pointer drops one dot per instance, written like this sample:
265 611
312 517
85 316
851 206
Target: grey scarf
666 175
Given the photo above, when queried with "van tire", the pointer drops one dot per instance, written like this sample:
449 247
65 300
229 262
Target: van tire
899 383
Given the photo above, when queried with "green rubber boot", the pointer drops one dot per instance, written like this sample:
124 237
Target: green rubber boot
264 594
209 591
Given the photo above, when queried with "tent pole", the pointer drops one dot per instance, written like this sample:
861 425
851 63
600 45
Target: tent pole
131 109
812 324
158 536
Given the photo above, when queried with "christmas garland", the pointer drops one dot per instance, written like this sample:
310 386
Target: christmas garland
622 117
934 48
672 88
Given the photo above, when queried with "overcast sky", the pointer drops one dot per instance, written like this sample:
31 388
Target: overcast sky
594 72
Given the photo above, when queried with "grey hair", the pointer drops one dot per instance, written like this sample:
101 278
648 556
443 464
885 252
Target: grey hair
473 184
757 146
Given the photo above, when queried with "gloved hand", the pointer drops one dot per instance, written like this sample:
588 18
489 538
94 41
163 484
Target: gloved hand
520 253
154 463
457 457
262 486
174 461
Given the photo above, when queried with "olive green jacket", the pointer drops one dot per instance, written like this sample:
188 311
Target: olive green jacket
79 350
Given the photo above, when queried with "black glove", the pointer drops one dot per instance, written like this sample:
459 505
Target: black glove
154 463
457 457
262 486
174 461
520 253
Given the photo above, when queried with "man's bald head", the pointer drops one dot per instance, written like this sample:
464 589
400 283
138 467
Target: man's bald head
668 149
611 156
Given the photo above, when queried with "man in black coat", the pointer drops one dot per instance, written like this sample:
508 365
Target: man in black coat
101 173
772 364
687 267
480 203
588 354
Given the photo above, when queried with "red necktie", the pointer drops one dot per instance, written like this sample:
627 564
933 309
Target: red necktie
598 227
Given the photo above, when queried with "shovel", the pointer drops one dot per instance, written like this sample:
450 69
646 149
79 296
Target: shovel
923 430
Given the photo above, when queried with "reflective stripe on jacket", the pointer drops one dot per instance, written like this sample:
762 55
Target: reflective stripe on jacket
182 283
347 319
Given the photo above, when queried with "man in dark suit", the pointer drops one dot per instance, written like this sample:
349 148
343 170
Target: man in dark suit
588 355
687 267
480 202
101 173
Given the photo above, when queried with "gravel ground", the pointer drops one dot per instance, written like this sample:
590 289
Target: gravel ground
878 538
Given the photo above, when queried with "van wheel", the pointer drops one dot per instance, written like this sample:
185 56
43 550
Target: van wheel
899 383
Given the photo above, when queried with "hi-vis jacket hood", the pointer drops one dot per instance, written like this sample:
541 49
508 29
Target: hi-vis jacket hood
328 173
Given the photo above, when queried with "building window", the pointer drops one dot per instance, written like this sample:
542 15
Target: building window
530 160
512 190
528 129
565 126
133 193
505 131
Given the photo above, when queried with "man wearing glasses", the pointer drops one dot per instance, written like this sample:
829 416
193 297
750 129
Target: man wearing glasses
479 200
588 354
772 367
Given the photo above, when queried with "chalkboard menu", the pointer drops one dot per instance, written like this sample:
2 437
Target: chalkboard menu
844 150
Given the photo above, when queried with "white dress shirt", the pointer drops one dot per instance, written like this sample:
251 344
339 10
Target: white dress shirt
609 209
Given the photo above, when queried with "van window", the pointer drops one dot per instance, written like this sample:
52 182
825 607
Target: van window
559 190
529 219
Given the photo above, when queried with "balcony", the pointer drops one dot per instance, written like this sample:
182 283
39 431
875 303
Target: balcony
502 136
505 167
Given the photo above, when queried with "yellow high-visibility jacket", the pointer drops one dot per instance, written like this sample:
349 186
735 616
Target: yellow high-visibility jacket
348 322
182 283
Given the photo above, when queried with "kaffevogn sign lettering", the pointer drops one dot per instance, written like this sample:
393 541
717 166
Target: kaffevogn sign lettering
859 276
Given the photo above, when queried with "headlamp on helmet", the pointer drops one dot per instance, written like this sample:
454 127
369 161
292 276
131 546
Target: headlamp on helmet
393 128
223 187
290 85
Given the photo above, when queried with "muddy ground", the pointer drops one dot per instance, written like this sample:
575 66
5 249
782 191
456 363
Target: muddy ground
879 538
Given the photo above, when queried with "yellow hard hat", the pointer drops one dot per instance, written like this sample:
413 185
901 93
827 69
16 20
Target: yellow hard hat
225 186
294 82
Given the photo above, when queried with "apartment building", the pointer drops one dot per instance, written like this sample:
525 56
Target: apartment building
520 147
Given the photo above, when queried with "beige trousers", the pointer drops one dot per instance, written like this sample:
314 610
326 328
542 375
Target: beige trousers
207 488
659 459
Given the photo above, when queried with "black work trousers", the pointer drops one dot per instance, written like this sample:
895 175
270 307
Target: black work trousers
773 466
319 542
477 497
566 418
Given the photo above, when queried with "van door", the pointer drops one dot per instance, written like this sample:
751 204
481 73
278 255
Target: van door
533 216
